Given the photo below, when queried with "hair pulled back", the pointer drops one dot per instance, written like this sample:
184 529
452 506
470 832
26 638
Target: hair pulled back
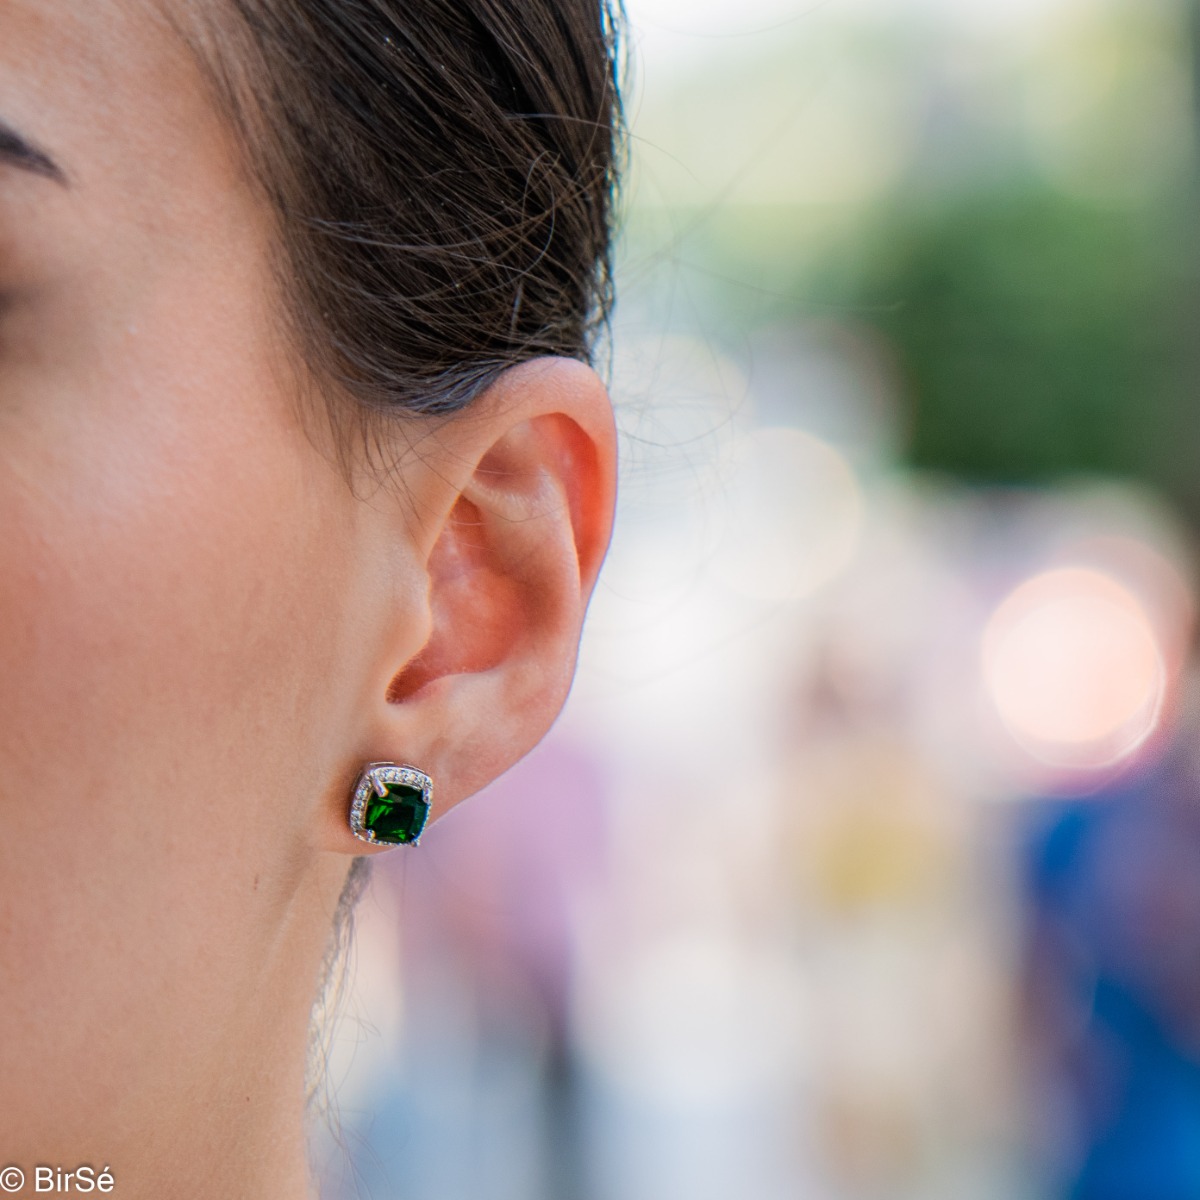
442 173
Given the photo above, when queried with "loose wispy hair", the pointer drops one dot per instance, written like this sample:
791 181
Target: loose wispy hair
443 175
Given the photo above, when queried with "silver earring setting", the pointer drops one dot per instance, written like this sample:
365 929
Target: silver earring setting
391 804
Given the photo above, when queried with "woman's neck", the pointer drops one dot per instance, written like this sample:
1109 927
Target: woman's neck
230 1123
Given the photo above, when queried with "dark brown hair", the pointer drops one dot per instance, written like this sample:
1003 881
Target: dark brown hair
442 172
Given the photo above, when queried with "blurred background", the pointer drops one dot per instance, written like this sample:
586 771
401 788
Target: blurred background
865 860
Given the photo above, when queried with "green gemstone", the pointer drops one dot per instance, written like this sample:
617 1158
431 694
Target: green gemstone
398 817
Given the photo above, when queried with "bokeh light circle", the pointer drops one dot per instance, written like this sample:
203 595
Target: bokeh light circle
796 515
1073 665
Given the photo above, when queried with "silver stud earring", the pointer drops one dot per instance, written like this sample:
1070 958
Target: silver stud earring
391 804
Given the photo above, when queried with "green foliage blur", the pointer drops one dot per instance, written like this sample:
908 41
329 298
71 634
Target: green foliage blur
1039 336
1028 257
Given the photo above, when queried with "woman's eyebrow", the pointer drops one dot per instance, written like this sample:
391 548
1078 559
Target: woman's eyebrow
17 151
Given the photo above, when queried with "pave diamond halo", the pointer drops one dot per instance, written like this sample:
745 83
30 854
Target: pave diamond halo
391 804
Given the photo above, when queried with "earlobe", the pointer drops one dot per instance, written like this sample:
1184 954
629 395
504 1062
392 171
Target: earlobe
520 535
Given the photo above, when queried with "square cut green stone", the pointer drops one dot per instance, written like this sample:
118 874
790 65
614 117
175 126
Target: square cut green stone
398 817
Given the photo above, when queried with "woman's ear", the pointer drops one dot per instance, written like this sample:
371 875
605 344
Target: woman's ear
509 518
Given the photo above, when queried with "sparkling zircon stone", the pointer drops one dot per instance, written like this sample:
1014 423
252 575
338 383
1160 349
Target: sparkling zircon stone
399 816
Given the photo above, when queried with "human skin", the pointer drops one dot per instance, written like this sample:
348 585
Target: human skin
209 622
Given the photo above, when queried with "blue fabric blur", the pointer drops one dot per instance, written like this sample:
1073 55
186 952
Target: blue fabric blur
1113 985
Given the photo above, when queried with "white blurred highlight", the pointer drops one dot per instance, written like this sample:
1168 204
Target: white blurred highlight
1073 664
694 1020
796 511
